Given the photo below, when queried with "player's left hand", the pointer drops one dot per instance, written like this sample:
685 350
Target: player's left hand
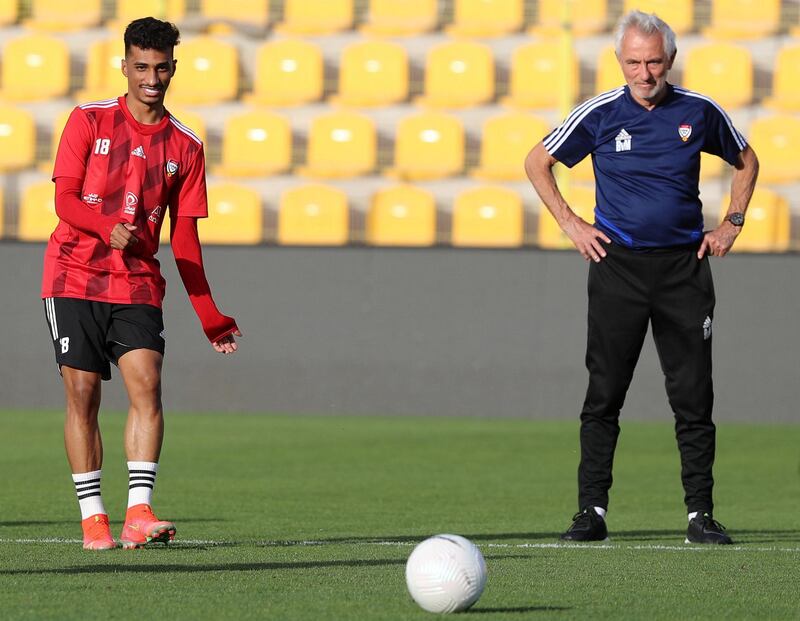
718 242
227 344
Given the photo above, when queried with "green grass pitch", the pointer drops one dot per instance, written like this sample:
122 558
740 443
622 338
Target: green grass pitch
299 517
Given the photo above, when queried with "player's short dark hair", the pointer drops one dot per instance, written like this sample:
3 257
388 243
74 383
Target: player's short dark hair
149 33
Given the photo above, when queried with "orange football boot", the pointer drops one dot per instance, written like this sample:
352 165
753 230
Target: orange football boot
142 527
96 533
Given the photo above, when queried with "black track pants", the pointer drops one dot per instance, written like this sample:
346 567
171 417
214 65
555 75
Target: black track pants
674 291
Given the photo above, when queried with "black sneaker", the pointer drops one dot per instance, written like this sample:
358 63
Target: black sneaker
705 529
587 525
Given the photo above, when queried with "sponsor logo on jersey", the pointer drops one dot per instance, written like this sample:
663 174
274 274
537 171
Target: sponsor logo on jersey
684 131
92 199
172 167
623 141
139 152
155 215
131 201
707 328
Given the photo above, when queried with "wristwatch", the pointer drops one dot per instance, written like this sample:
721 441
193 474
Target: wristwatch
735 218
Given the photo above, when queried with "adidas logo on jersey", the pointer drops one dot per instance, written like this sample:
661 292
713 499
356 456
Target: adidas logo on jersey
623 141
139 152
707 328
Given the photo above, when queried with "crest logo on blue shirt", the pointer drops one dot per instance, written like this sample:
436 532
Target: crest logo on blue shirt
623 140
684 131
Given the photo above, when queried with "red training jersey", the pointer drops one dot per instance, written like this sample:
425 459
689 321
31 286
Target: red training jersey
130 173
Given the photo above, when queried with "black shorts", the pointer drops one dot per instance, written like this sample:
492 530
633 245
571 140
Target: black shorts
90 335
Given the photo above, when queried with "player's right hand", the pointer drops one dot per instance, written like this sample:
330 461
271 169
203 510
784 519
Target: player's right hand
587 239
122 236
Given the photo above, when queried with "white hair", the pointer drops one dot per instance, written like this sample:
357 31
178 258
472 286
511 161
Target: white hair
646 23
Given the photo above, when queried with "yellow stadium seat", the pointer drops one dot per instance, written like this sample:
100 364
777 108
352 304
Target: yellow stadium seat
372 73
679 14
488 216
722 71
537 73
582 201
428 145
711 166
9 12
249 12
313 215
767 224
586 17
17 138
35 67
287 73
458 74
104 77
402 215
207 72
37 217
341 144
743 19
776 140
401 17
129 10
785 80
57 128
609 74
234 216
190 119
57 15
256 143
486 18
505 141
315 17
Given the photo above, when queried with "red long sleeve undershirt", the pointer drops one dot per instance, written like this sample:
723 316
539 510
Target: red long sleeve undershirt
72 210
189 259
185 246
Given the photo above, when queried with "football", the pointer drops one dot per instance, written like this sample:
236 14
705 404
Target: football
446 573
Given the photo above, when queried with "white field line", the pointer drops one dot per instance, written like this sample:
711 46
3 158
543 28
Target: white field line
195 542
408 544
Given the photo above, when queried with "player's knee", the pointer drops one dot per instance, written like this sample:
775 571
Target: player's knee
83 393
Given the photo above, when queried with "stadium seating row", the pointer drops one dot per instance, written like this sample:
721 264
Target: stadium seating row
458 74
401 215
427 145
479 18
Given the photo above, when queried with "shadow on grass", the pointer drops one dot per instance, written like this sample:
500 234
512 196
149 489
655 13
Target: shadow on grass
477 611
113 568
36 523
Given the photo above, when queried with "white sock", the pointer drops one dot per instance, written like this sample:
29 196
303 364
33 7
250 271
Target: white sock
693 515
141 479
87 486
600 511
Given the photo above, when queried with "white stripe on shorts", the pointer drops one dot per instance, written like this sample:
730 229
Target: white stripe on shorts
50 305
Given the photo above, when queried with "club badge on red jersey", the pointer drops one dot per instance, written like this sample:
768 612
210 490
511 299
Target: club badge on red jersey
684 131
171 167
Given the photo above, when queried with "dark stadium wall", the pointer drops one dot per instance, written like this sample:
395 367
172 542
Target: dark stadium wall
416 332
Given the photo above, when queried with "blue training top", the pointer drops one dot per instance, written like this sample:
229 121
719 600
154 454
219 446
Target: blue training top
647 163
